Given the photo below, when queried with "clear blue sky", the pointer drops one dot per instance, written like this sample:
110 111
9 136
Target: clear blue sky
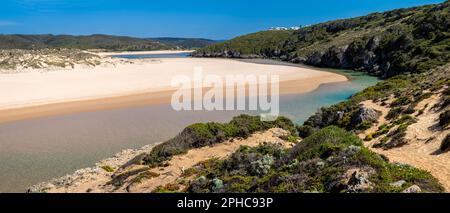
215 19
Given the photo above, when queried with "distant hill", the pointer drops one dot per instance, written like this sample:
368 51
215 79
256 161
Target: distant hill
384 44
107 42
185 43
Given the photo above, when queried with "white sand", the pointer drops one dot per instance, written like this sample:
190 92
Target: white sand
144 52
148 75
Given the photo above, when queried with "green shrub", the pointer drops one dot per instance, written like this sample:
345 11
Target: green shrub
396 138
365 125
206 134
323 142
369 137
108 168
144 176
394 113
383 129
189 172
445 146
444 119
406 119
305 131
119 179
401 101
168 188
319 164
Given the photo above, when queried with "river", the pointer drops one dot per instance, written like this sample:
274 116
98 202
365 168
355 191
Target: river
35 150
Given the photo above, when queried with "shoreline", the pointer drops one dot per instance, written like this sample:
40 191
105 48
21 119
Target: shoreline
155 52
95 173
138 99
293 80
95 179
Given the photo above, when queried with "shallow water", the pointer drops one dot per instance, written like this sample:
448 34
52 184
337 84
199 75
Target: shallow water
36 150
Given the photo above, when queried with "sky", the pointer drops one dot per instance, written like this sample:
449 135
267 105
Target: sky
213 19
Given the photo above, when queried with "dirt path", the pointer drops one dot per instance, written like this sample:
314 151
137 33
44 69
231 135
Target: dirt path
423 142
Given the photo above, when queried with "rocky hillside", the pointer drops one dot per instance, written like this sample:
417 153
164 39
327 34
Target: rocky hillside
384 44
405 118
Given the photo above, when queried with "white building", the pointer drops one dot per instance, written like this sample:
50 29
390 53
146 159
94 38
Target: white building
286 28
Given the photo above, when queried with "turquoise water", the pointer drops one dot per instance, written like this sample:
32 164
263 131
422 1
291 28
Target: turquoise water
301 106
36 150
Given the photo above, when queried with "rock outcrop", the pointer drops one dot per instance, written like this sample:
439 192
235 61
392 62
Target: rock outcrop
364 114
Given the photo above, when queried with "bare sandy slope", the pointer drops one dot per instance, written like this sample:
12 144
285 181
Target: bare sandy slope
423 139
121 82
96 179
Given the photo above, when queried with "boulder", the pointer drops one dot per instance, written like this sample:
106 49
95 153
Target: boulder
399 183
298 60
359 182
279 133
413 189
364 114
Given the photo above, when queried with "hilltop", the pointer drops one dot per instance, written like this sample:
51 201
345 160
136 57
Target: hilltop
104 42
385 44
185 43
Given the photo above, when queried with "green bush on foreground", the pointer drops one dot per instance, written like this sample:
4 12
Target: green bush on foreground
330 160
206 134
445 146
444 119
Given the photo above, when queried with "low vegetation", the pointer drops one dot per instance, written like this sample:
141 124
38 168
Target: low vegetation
445 146
113 43
15 60
444 119
207 134
330 160
108 168
98 41
411 86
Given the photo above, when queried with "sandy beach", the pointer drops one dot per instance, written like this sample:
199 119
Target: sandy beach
129 83
155 52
